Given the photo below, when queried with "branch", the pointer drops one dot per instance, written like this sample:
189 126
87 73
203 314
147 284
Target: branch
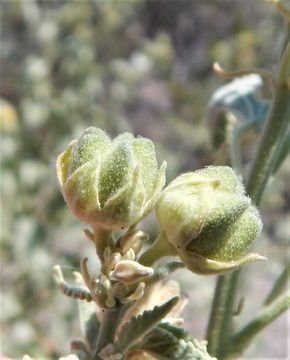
274 131
268 314
279 285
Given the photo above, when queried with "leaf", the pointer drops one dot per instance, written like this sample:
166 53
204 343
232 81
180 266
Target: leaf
139 326
176 331
162 342
156 293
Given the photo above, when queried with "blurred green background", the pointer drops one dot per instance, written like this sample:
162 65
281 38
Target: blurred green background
138 66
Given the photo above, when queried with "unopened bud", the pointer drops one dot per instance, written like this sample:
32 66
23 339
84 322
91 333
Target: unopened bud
110 184
130 272
209 220
133 240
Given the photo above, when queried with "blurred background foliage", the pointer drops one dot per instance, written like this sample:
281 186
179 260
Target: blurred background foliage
142 66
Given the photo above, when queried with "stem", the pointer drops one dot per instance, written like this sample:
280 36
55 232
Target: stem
275 127
160 248
268 314
109 323
279 285
284 149
221 313
101 240
281 9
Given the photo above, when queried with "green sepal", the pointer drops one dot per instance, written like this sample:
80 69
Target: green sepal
158 186
145 155
81 190
238 236
92 140
233 233
63 163
204 266
128 201
116 171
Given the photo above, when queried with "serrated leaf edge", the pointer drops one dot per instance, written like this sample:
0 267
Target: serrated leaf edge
139 326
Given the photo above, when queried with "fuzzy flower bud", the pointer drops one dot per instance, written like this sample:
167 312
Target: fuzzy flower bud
110 184
209 220
130 272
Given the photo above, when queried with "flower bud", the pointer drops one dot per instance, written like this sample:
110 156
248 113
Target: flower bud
133 240
130 272
209 220
110 184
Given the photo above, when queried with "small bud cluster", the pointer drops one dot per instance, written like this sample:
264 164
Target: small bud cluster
122 278
205 216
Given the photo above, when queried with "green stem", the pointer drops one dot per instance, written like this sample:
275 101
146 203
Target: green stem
284 150
275 127
221 313
102 239
157 250
279 285
267 315
110 320
274 131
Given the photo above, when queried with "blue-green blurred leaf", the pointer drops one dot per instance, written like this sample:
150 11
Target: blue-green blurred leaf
240 98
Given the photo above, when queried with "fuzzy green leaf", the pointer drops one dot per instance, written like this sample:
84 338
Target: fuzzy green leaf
169 342
176 331
140 325
160 342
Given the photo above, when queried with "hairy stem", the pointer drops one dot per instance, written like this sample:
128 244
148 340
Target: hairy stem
274 131
221 313
158 249
284 150
275 127
111 318
267 315
279 285
102 239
